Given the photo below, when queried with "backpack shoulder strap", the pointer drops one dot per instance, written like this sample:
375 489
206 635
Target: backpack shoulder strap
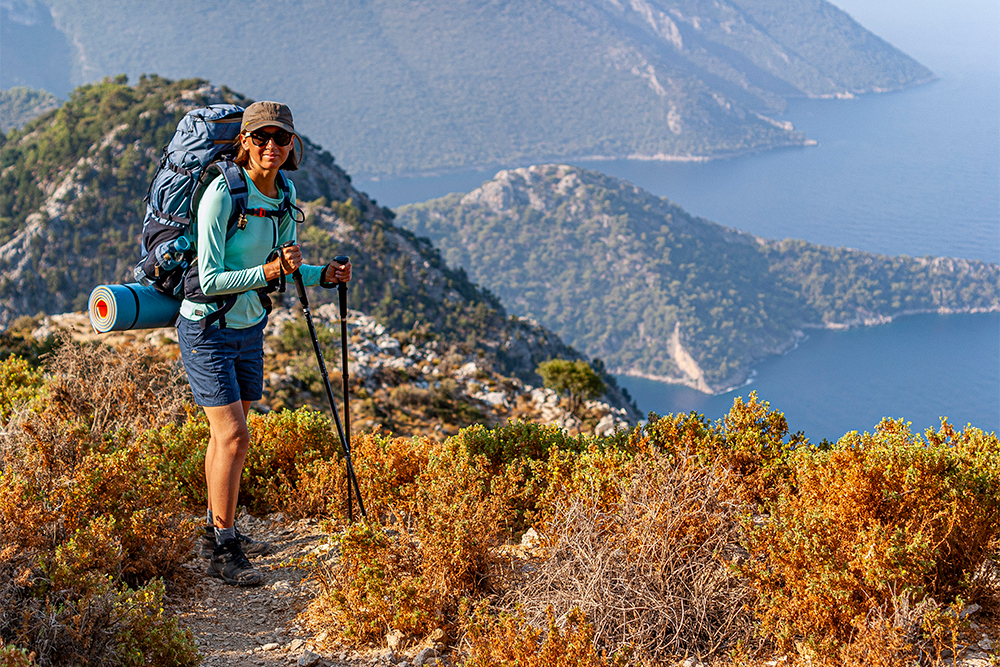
287 207
239 192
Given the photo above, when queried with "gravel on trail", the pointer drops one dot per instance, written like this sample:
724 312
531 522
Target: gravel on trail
258 626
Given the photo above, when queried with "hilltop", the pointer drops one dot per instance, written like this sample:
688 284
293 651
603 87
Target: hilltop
71 214
656 292
428 85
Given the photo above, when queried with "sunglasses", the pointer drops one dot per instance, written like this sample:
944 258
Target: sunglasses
280 137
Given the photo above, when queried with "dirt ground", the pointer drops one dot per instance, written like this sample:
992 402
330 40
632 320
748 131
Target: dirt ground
257 626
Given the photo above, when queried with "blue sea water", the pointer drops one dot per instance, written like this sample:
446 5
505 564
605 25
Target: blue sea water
915 172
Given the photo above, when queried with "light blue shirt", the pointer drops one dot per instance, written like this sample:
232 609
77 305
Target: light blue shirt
237 265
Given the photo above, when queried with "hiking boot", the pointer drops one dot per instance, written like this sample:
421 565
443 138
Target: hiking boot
230 564
251 547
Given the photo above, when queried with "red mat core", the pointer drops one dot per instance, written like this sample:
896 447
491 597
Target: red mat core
102 309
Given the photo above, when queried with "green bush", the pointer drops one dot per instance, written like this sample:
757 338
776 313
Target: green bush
19 383
573 378
283 445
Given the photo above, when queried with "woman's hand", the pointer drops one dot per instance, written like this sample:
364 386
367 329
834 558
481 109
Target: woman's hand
337 273
288 260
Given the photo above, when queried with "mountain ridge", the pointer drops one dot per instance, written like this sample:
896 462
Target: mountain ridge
437 85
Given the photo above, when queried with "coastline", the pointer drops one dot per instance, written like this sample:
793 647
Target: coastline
797 337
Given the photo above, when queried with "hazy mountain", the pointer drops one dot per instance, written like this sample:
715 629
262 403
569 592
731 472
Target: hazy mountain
71 189
630 277
18 105
416 85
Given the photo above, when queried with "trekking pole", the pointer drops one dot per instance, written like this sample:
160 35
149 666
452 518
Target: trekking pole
342 294
352 479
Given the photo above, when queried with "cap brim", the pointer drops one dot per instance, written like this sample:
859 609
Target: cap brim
259 123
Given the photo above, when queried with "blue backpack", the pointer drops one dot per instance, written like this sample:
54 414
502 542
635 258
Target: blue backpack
202 147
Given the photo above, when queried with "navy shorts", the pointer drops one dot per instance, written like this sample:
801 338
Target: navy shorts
223 365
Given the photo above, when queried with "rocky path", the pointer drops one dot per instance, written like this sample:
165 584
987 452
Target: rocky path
257 626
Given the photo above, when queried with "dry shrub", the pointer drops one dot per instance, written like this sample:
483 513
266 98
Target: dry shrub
509 641
463 510
414 581
595 473
108 626
291 464
387 468
282 445
131 387
649 569
376 584
879 514
406 395
83 512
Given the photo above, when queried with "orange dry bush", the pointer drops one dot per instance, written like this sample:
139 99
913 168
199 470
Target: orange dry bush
510 641
414 582
292 464
84 514
387 469
880 515
462 514
596 472
376 584
281 445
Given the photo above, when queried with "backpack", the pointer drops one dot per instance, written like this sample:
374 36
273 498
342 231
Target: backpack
202 147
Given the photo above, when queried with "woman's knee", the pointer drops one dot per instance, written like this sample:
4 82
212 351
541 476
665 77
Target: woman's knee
229 428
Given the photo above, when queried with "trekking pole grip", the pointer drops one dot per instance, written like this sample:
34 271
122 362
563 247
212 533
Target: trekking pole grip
342 287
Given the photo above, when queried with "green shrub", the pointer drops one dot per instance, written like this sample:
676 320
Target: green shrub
283 446
19 383
518 440
576 379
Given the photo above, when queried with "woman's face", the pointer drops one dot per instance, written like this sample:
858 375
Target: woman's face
269 154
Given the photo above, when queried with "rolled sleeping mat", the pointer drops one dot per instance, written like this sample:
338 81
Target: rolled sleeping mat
132 306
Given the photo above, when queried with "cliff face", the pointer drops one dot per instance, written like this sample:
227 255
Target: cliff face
78 177
421 85
634 279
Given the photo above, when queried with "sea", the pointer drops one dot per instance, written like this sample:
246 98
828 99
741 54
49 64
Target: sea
915 172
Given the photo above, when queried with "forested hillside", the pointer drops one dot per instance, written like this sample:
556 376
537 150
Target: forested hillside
71 189
420 85
632 278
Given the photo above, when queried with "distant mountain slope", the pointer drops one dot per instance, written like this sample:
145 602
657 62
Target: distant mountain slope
18 105
71 189
403 86
655 292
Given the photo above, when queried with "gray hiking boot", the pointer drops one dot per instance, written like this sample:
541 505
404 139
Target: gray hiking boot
230 564
251 547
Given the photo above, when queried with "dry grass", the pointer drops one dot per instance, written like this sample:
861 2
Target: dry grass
650 570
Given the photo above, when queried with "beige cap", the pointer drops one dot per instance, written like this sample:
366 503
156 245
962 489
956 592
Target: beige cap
262 114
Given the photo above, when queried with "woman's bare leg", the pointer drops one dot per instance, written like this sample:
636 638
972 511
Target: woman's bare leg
224 458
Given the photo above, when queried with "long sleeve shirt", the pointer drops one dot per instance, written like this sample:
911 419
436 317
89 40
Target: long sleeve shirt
237 265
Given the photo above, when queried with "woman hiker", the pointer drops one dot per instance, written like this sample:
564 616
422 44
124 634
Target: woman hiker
224 356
